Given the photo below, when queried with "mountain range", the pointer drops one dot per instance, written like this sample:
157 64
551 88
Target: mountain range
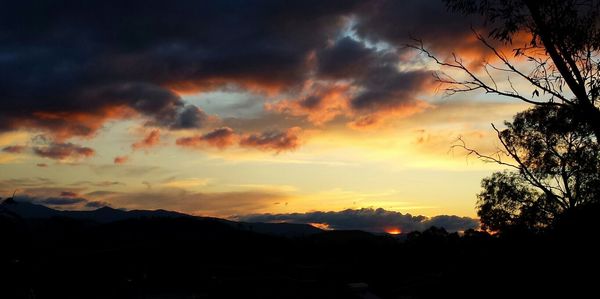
104 215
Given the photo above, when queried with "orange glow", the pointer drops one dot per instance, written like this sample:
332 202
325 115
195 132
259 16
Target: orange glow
64 125
334 102
393 231
256 85
323 226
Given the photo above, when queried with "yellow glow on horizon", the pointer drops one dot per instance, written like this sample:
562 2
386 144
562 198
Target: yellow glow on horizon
393 231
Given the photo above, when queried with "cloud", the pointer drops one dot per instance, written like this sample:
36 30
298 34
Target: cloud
97 184
96 204
151 140
274 140
383 88
396 22
68 194
120 160
320 103
217 204
61 201
28 182
191 117
63 151
52 201
220 138
453 223
14 149
363 83
68 69
442 31
185 183
367 219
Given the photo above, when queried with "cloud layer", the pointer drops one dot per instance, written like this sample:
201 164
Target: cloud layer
367 219
67 69
273 140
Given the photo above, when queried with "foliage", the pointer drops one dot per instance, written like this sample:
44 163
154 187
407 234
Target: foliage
556 168
551 148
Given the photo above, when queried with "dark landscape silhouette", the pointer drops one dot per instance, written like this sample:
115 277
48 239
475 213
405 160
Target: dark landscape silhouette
215 102
109 253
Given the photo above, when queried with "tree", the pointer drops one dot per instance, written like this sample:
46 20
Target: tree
562 55
555 163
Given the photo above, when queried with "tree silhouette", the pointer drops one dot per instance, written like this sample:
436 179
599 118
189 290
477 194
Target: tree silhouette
560 63
556 168
552 148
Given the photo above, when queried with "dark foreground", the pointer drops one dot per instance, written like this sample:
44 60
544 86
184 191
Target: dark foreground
187 257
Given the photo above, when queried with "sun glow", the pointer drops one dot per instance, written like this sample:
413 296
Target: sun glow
323 226
393 231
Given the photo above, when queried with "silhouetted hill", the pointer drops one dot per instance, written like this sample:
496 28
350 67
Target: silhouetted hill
28 210
280 229
106 215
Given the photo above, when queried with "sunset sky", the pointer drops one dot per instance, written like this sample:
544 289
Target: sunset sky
232 108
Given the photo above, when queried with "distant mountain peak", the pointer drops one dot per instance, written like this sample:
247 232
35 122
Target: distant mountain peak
107 214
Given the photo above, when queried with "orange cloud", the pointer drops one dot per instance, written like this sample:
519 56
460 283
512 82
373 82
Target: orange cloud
375 119
474 53
64 125
64 151
121 160
321 105
274 140
14 149
219 138
151 140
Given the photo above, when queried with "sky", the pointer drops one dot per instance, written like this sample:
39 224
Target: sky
270 110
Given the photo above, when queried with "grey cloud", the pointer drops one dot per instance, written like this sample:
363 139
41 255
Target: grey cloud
367 219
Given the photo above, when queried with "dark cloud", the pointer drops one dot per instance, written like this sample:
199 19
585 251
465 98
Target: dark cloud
52 201
374 220
191 117
14 149
273 140
69 67
61 201
96 204
375 71
220 138
386 88
375 87
346 59
453 223
396 22
63 151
